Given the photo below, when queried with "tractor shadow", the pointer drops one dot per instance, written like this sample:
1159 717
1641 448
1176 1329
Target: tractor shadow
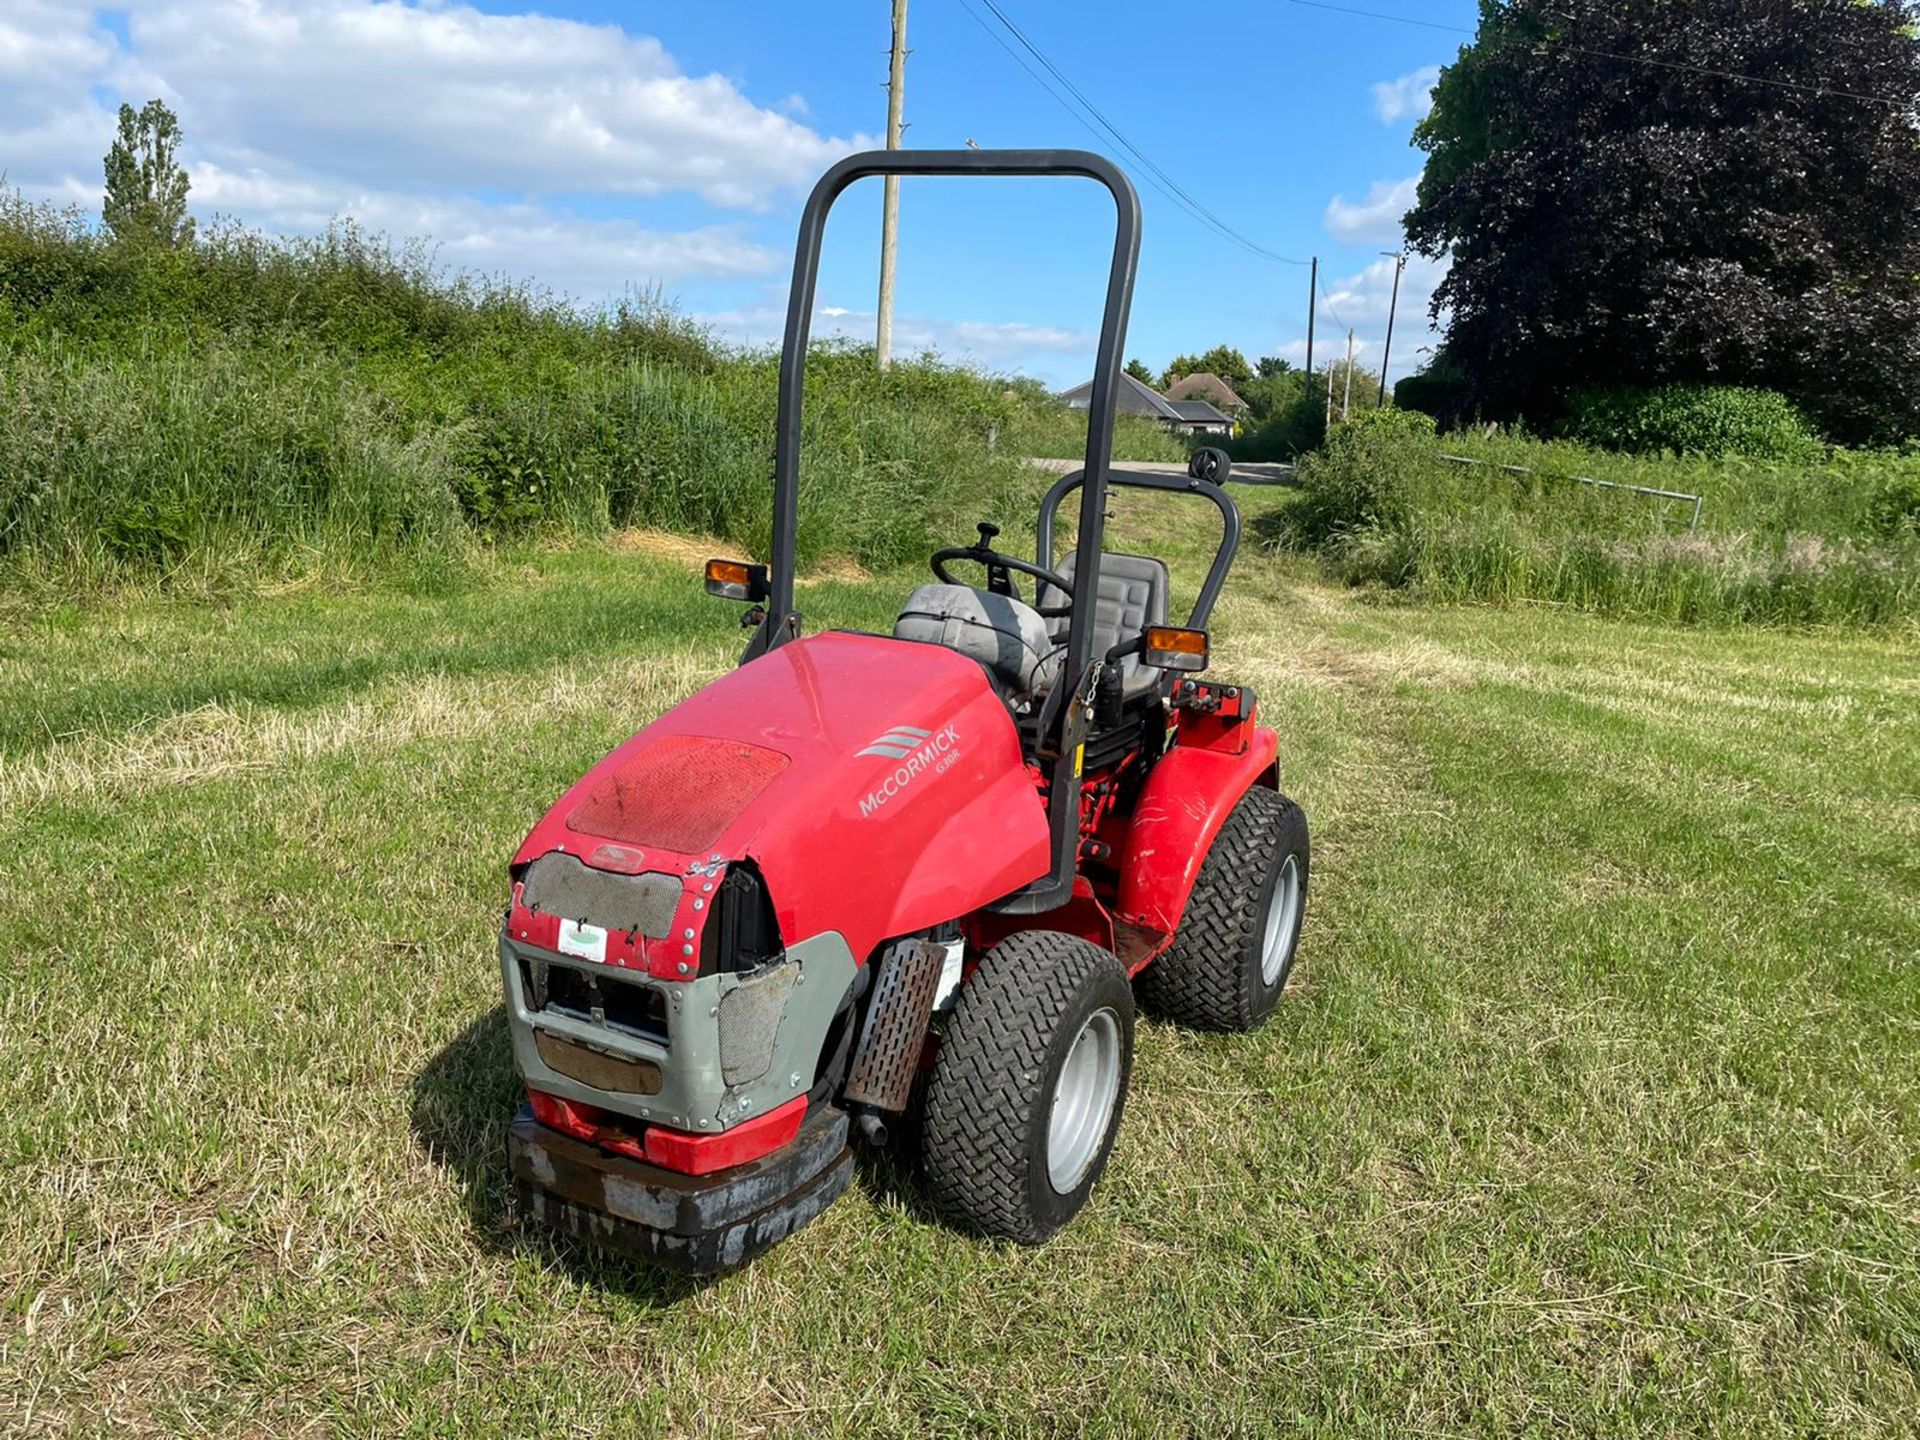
463 1102
891 1174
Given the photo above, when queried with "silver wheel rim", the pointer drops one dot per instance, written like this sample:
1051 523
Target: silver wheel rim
1083 1100
1282 911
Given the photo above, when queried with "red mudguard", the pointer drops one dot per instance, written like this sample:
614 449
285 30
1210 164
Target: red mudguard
1182 806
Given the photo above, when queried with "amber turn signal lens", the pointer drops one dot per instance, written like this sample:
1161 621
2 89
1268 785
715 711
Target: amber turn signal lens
736 580
1170 647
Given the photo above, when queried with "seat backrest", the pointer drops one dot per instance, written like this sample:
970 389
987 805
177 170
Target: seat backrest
1133 595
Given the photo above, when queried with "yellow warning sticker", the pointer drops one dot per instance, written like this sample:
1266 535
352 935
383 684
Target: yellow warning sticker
1079 758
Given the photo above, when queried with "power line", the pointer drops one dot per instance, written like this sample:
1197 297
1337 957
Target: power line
1162 180
1327 300
1063 103
1681 65
1057 97
1052 93
1377 15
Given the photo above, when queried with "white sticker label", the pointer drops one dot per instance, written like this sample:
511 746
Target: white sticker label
579 938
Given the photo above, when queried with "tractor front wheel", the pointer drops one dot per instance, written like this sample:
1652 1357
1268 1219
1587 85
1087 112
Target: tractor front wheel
1028 1086
1232 954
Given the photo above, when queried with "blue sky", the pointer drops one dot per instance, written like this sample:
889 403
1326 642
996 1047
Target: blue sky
596 146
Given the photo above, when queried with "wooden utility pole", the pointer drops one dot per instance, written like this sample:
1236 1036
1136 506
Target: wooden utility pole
1329 397
890 206
1346 395
1313 298
1399 264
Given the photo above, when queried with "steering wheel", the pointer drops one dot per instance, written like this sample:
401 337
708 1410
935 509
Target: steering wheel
998 580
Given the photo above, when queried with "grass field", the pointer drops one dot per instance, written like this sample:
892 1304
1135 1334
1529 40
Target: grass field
1594 1109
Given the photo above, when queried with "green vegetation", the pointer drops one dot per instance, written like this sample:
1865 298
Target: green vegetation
1222 360
239 409
1610 215
1592 1109
146 195
1714 421
1809 541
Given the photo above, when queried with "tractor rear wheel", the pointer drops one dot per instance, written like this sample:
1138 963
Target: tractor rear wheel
1028 1085
1230 958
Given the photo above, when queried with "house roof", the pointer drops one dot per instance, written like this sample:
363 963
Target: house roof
1205 385
1133 399
1199 412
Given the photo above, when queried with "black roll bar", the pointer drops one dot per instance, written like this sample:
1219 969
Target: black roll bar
1148 480
781 624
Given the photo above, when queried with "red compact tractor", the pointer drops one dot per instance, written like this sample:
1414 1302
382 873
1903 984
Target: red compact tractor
864 878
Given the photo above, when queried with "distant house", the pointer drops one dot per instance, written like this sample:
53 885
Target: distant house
1204 385
1201 418
1188 417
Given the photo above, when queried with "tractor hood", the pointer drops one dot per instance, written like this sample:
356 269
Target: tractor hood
877 784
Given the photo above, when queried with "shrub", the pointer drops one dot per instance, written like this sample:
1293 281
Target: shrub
1290 432
1440 390
1892 484
1713 421
1786 543
1362 476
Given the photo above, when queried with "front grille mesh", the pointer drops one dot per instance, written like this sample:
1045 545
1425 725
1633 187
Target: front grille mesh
594 997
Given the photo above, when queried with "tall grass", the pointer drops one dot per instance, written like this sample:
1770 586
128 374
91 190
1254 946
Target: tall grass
1828 541
250 408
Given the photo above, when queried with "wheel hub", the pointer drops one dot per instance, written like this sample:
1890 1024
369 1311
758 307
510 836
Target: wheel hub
1083 1101
1282 912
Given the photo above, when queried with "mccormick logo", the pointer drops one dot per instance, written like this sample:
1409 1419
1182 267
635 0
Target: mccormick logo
920 751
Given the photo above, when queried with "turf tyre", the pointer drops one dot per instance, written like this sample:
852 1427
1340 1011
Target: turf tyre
1212 977
989 1100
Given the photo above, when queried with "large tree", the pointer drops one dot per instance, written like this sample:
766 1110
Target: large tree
1222 360
1712 190
146 200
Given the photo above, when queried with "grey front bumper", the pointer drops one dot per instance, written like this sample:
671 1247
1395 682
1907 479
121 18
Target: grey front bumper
703 1084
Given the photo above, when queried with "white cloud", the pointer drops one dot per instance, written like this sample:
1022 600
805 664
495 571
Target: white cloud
1375 218
1410 95
990 345
51 54
585 258
446 95
1361 301
299 111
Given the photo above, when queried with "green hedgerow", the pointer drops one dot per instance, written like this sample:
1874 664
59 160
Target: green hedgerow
1712 421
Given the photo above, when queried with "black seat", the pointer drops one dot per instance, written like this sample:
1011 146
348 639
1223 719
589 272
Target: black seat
1133 595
